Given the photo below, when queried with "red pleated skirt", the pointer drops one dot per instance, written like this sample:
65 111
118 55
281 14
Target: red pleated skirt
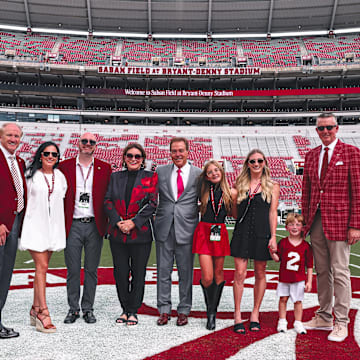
202 244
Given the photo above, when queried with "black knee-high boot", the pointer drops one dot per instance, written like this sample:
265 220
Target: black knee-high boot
212 295
214 306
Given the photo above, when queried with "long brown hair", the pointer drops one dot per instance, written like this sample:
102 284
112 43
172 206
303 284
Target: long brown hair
242 183
204 186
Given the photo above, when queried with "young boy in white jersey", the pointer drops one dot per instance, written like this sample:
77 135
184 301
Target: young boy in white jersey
294 254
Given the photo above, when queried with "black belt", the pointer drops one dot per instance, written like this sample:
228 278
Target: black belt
85 219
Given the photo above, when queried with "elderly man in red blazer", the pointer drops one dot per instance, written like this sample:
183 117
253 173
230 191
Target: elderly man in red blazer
12 205
86 223
331 208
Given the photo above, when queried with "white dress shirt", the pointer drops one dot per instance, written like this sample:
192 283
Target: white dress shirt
82 186
330 152
185 172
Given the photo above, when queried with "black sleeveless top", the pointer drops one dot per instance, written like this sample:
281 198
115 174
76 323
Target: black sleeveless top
251 237
209 216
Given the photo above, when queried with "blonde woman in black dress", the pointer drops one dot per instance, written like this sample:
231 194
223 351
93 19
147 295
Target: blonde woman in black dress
255 201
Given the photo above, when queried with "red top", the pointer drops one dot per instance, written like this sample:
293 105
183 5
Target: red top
293 260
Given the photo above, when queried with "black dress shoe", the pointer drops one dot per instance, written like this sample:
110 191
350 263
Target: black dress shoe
6 333
89 317
71 317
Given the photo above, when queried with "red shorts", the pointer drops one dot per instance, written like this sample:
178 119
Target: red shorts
204 246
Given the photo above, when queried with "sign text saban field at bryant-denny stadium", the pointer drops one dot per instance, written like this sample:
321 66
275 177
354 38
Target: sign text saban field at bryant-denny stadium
132 70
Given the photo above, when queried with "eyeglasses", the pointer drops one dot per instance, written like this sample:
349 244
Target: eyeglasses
85 141
136 156
47 153
253 161
327 127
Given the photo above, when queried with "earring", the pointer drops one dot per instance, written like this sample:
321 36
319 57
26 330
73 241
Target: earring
142 166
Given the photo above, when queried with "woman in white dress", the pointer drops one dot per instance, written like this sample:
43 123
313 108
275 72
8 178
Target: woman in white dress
44 225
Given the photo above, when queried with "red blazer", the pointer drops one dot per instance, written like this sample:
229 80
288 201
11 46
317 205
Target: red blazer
8 201
339 198
102 172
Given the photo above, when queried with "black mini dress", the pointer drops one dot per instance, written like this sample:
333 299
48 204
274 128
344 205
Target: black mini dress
251 237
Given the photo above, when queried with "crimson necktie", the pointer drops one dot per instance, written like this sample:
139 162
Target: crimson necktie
324 165
180 184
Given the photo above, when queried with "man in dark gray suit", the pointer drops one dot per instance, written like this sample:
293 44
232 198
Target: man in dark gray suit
175 222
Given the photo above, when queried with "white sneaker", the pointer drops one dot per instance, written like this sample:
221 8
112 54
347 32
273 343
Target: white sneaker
339 333
282 325
299 327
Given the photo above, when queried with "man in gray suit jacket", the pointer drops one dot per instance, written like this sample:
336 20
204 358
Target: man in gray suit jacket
175 222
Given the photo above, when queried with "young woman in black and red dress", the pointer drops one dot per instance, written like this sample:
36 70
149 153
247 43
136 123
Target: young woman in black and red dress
211 240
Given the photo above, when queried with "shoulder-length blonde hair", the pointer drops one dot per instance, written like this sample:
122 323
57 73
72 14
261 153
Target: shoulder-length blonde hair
242 183
204 187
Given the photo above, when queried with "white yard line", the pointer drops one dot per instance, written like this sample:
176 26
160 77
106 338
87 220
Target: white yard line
353 265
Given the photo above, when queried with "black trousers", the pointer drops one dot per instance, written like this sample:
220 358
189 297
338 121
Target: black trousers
130 262
7 259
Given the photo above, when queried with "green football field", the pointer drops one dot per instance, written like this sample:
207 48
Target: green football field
24 261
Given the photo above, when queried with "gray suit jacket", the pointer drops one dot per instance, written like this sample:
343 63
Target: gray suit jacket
183 212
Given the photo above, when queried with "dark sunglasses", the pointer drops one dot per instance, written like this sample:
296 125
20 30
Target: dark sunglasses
327 127
253 161
136 156
85 141
47 153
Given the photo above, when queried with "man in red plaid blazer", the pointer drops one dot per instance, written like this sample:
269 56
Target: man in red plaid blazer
331 208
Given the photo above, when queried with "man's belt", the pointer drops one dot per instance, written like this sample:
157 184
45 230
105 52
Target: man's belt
85 219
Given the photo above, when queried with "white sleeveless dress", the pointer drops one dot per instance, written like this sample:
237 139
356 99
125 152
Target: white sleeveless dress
43 229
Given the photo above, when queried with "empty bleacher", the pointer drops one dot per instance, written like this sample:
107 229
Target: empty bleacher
274 53
281 147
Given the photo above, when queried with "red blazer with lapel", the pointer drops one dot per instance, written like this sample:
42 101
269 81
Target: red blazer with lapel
339 198
141 208
8 195
102 172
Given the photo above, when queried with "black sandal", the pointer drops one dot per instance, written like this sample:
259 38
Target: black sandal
132 322
254 326
121 320
239 329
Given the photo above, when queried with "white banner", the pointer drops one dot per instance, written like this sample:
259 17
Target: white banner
166 71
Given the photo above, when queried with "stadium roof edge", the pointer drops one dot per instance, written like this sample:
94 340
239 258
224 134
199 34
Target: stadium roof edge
203 36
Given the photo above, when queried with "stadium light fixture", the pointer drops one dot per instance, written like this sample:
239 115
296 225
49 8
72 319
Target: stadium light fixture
299 33
347 31
180 36
60 31
13 27
238 36
120 34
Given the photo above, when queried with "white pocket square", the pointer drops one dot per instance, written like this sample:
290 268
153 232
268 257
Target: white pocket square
339 163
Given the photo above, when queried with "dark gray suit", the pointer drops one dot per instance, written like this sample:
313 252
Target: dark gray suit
175 223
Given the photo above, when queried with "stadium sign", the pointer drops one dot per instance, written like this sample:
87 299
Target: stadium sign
132 70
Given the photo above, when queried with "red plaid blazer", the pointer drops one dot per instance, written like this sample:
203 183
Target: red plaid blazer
339 199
